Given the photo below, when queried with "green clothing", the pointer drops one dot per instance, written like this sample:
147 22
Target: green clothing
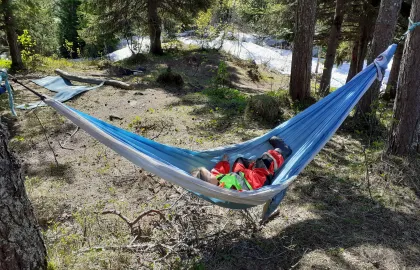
234 180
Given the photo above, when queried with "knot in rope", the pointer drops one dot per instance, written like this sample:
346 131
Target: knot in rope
411 26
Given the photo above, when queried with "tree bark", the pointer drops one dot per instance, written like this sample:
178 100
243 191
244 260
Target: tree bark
382 38
155 30
391 89
300 79
21 243
10 29
366 27
353 62
406 126
333 41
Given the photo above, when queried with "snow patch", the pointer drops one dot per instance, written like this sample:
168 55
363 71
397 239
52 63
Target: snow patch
245 46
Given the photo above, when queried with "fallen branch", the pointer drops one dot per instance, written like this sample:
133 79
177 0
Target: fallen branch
62 144
91 80
133 222
113 248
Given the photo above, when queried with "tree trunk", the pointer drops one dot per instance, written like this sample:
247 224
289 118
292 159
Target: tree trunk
405 129
366 27
300 79
332 47
391 89
154 27
91 80
382 38
10 29
21 243
353 62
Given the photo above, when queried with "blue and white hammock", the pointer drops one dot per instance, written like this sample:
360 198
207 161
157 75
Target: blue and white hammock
306 134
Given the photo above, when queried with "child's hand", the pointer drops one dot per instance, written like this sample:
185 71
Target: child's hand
225 157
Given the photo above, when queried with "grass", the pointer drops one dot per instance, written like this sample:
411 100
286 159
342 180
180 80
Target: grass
264 107
226 101
38 63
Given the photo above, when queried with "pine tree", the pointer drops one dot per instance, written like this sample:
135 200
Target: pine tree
333 42
70 43
405 132
123 17
365 18
384 33
21 243
10 29
300 79
391 88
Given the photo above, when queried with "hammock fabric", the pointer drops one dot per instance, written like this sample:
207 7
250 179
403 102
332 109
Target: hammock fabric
64 88
9 89
306 134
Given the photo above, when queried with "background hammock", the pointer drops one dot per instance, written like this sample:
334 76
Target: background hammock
306 134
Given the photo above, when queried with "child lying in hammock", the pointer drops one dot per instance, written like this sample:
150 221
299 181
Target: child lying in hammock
247 174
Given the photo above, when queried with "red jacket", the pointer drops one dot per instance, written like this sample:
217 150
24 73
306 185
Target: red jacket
256 177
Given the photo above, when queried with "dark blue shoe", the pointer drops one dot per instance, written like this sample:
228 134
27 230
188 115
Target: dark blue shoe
280 146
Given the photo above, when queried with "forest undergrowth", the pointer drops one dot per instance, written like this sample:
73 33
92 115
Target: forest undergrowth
353 207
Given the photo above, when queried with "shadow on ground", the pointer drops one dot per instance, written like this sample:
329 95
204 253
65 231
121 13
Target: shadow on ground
345 219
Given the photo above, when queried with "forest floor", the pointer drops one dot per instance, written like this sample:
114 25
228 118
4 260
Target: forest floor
353 207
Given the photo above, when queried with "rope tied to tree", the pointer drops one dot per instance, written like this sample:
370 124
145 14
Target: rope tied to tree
4 77
411 26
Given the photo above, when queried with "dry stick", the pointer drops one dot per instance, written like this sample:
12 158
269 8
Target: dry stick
46 137
71 135
131 223
64 147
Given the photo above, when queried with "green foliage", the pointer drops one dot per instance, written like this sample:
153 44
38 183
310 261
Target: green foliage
343 54
70 42
205 30
135 123
28 45
222 76
4 63
266 108
37 17
134 60
29 57
299 106
269 17
282 96
117 18
226 98
169 77
99 39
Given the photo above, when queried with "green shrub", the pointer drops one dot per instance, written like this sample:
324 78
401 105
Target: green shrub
4 63
299 106
266 108
223 100
221 79
104 63
134 60
194 98
170 78
227 99
282 96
